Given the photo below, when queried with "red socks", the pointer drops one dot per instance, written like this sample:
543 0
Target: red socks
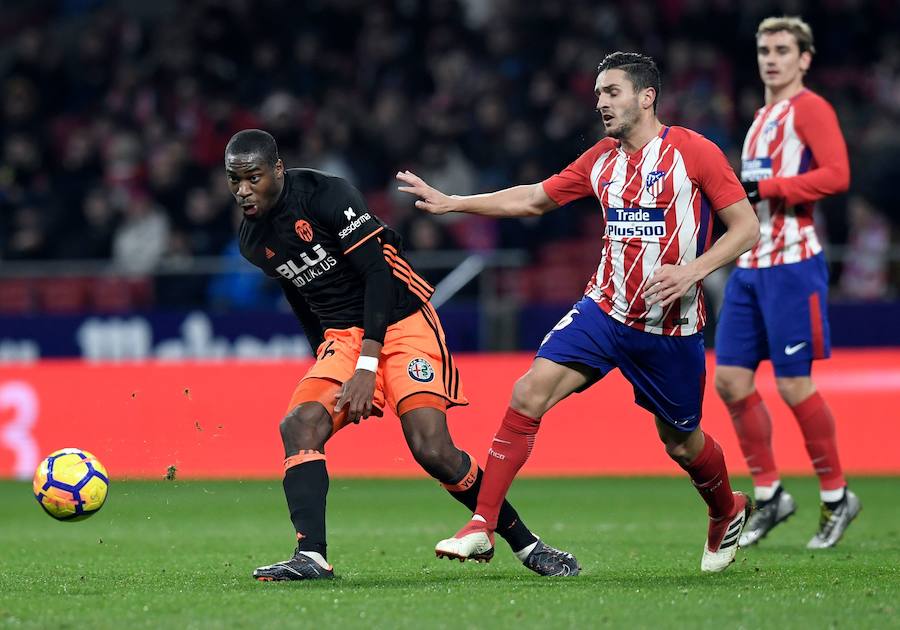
817 425
710 477
511 447
754 430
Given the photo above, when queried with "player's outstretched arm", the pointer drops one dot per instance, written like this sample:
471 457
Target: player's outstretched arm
519 201
670 282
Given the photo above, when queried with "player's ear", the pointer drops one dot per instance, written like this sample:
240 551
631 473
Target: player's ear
805 60
279 168
648 97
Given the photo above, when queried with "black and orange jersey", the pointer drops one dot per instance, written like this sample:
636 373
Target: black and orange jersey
307 238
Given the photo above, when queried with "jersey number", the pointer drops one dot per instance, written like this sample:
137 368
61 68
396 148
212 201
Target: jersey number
326 351
565 321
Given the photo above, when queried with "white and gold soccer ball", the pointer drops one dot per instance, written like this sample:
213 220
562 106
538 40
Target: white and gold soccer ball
70 484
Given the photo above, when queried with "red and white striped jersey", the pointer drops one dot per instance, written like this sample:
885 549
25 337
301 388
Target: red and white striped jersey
796 151
657 204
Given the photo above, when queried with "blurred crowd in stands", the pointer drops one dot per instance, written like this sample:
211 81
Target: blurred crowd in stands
113 123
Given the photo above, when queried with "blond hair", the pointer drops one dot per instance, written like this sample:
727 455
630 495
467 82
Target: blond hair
793 25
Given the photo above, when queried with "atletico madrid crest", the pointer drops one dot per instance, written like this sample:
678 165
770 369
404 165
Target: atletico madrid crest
655 182
770 131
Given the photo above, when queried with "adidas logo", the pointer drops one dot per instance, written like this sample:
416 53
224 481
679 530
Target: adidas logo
269 253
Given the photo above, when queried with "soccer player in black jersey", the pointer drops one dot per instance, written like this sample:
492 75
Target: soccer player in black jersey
378 344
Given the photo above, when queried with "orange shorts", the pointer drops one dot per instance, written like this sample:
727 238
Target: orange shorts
414 360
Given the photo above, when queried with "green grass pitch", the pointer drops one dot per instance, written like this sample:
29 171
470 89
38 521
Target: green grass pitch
179 555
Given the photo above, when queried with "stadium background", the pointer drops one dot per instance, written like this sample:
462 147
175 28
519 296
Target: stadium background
129 326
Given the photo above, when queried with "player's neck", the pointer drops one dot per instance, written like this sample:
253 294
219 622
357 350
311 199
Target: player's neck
279 197
641 135
773 95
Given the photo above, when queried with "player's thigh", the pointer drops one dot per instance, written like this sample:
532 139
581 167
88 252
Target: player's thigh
577 352
335 363
668 375
547 383
415 360
793 299
741 339
312 398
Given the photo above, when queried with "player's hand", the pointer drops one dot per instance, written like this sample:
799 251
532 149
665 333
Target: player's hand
356 395
669 283
430 199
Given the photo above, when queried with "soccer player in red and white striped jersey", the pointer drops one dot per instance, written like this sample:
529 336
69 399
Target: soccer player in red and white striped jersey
642 311
775 301
658 204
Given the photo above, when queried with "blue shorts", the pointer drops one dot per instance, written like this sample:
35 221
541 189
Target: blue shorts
668 373
776 313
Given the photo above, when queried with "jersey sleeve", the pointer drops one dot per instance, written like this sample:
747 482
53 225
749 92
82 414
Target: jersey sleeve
343 210
817 125
711 170
573 182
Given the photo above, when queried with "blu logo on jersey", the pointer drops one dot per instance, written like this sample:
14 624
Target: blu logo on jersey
312 268
646 223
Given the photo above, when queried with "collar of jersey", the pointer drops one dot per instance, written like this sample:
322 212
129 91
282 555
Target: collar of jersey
663 132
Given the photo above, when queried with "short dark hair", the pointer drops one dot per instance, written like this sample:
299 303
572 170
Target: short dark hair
253 142
641 70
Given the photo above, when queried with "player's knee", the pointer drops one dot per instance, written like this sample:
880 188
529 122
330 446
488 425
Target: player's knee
678 451
528 398
306 427
731 388
794 390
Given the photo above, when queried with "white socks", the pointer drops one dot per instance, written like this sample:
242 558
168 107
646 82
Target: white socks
522 554
317 557
765 493
831 496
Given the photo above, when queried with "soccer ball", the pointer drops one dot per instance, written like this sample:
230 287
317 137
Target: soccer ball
70 484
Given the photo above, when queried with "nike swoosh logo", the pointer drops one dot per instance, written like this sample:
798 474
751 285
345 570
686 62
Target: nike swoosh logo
606 182
789 350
